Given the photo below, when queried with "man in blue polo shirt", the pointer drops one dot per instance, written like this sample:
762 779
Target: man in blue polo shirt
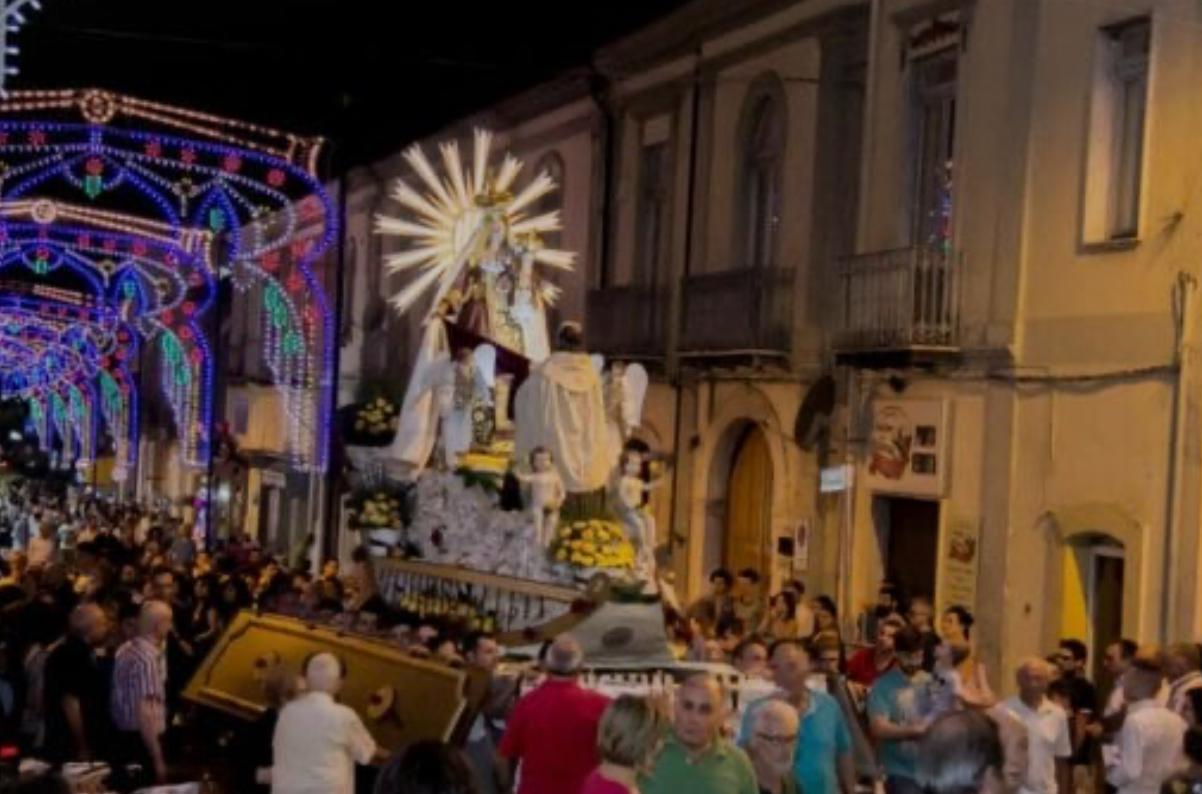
898 715
823 761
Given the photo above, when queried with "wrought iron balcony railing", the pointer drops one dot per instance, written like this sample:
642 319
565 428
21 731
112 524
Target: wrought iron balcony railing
749 310
899 299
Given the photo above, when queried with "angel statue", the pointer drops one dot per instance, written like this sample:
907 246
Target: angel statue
543 494
625 389
627 501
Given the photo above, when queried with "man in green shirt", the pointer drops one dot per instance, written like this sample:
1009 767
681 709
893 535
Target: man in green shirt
695 758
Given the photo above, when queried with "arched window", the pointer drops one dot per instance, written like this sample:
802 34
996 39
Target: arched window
763 144
552 163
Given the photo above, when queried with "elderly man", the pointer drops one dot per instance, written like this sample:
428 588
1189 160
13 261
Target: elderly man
961 753
823 762
139 697
76 690
552 733
773 737
1150 741
696 759
318 741
1049 747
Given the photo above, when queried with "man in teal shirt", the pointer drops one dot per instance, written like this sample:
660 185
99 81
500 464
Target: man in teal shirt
823 762
695 759
897 714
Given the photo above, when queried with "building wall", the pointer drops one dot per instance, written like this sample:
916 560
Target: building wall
1065 424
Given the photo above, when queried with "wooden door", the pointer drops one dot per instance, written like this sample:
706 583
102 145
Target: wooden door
749 505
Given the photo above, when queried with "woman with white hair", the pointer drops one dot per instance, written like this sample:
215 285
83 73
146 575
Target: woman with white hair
318 741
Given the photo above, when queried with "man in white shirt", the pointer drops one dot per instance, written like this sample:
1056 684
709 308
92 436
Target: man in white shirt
1181 663
1048 745
317 741
1148 748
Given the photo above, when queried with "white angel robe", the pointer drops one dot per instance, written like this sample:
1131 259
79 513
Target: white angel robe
561 406
417 426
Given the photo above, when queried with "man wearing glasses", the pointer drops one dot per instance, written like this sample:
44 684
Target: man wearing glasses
822 762
773 738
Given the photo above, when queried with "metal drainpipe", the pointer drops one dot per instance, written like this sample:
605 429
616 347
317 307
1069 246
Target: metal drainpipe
690 217
1183 300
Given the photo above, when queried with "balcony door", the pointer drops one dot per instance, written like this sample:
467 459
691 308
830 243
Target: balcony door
934 114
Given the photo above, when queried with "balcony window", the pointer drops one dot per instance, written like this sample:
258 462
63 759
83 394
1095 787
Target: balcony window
763 144
934 114
651 213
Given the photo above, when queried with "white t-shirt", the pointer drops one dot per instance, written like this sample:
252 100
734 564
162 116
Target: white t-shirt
1047 741
316 745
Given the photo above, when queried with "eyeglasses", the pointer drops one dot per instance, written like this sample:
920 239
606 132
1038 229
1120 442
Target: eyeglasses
782 740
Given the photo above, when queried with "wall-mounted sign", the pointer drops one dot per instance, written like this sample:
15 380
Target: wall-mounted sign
958 564
909 448
835 479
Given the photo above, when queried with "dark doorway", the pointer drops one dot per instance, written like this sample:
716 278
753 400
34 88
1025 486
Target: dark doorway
1105 608
909 534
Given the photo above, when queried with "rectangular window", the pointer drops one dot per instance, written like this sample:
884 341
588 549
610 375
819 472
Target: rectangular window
651 213
934 117
1118 109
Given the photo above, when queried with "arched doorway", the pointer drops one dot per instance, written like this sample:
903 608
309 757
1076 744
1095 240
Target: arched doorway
748 518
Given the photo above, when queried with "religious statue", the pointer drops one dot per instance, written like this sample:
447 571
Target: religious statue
473 236
561 407
543 494
627 501
625 389
460 389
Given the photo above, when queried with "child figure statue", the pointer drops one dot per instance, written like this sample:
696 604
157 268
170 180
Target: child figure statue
544 493
627 495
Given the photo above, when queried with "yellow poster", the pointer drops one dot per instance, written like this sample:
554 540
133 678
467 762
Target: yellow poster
959 564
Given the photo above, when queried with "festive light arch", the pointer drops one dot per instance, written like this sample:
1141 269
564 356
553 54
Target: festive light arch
121 216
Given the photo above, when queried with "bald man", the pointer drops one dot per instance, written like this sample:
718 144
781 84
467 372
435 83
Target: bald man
1049 747
76 689
773 738
696 759
552 733
1150 741
139 696
318 741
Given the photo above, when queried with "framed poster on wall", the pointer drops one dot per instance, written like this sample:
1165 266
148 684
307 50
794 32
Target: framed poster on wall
909 448
959 558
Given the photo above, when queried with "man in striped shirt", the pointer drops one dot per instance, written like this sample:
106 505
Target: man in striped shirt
139 699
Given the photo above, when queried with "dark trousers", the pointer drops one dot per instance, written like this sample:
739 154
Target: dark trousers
130 761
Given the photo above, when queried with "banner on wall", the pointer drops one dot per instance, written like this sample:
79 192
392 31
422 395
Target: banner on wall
959 564
908 455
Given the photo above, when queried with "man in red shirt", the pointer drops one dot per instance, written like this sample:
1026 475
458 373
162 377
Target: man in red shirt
868 664
552 732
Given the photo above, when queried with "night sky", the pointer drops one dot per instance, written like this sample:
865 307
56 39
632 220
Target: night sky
371 75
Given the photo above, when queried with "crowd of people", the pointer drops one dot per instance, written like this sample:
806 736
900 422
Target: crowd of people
108 609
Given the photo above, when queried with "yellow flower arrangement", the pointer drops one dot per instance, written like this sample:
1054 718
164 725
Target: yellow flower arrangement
592 544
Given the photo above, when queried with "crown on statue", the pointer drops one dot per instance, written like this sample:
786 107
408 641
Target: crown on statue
493 198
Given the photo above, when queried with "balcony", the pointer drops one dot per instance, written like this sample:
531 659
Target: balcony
902 301
628 321
745 312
